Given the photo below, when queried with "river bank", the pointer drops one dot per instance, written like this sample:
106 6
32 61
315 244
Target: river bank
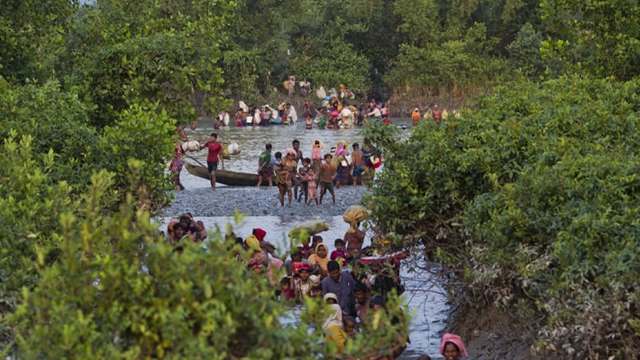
492 333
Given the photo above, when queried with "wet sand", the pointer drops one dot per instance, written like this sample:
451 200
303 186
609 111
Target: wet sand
225 201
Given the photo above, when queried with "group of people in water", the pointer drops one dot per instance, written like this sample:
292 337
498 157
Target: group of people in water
333 113
298 177
353 283
335 110
430 113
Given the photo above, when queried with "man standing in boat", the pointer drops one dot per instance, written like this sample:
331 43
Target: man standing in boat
215 155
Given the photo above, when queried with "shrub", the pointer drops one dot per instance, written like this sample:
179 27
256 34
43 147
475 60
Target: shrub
30 203
531 196
55 120
141 140
567 236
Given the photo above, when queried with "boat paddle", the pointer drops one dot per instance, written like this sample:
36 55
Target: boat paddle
196 160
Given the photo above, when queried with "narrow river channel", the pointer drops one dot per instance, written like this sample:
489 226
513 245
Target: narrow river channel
424 294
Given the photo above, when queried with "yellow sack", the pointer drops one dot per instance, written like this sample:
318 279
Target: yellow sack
354 215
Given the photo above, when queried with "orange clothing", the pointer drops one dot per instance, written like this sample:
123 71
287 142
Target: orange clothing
415 117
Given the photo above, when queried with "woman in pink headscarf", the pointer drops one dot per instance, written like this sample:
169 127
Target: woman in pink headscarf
452 347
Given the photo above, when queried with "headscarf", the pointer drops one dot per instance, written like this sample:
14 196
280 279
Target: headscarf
253 243
334 318
322 262
455 340
315 280
259 233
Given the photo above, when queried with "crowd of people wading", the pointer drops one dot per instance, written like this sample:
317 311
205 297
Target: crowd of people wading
354 281
298 177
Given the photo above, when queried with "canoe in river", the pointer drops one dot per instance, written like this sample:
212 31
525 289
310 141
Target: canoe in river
230 178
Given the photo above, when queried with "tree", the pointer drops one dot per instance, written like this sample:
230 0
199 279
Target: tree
140 141
120 53
600 37
445 68
524 51
56 121
31 37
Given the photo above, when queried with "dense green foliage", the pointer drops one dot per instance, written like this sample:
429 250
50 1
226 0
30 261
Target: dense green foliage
533 197
120 290
121 52
600 37
186 55
142 139
29 211
56 120
31 36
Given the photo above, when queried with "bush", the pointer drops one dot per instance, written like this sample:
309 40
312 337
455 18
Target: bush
141 140
532 196
567 236
30 203
120 291
55 120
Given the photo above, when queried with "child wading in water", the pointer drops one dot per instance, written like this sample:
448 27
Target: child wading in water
283 179
312 186
304 179
316 156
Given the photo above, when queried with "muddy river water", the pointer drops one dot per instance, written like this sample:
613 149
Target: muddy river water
424 293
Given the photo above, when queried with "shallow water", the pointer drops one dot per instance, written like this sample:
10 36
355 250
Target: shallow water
252 141
424 294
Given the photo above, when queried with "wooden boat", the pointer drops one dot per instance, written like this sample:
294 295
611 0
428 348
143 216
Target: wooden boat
230 178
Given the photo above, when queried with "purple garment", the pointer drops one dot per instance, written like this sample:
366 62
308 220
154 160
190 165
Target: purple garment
343 290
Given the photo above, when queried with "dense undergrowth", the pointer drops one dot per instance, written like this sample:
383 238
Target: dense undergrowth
533 200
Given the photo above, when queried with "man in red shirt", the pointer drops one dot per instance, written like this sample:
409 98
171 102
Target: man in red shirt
215 154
